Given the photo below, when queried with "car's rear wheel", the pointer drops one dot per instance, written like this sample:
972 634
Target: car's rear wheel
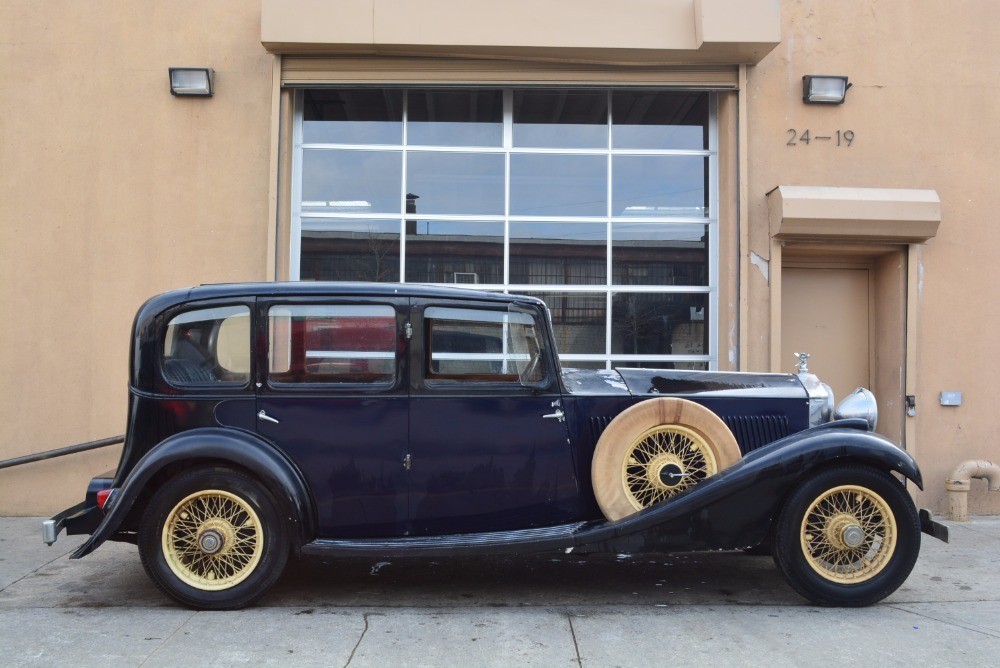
849 536
213 539
655 450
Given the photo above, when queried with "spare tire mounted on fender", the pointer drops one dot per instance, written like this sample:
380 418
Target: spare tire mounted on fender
656 449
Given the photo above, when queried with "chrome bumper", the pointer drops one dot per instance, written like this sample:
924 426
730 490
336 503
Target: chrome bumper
52 527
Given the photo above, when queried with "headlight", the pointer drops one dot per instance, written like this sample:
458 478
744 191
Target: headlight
858 404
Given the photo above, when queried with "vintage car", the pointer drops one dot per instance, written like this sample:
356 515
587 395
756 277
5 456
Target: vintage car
378 420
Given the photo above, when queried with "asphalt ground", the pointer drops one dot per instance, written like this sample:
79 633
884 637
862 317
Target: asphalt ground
723 608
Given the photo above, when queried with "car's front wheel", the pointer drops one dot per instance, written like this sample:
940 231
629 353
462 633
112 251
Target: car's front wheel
848 537
213 539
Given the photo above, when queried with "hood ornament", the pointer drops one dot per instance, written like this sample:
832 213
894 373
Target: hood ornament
802 365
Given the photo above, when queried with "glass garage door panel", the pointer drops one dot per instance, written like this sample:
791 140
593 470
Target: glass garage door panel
602 202
358 116
464 253
558 253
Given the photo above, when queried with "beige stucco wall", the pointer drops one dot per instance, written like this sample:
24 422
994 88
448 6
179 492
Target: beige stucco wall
923 109
112 190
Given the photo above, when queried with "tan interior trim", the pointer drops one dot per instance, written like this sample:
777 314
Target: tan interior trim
304 71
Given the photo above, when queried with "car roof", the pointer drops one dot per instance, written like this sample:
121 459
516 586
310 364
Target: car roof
173 298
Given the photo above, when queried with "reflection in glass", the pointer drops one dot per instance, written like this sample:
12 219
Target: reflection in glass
659 185
558 253
454 117
349 250
578 320
686 366
558 185
351 181
659 120
341 343
659 254
455 183
561 118
359 116
454 252
659 324
576 364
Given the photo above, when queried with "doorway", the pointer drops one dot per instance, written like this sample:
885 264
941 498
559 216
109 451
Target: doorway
848 311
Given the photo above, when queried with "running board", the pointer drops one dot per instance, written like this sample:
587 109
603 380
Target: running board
542 539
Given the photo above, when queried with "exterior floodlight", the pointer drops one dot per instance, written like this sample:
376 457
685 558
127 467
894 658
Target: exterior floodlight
822 89
191 81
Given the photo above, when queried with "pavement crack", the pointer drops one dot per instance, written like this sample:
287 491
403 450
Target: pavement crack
51 561
973 629
358 644
164 642
576 646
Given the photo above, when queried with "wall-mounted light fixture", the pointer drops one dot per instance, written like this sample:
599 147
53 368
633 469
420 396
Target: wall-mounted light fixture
192 81
823 89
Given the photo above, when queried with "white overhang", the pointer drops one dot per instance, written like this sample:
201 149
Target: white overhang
854 214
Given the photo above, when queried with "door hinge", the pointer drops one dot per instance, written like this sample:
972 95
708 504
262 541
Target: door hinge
408 331
407 462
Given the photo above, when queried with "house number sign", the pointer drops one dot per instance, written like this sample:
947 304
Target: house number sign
839 138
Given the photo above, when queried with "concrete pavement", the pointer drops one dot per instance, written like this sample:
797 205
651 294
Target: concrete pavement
563 610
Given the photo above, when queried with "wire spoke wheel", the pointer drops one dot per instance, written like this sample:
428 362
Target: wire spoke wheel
848 534
656 449
212 540
664 461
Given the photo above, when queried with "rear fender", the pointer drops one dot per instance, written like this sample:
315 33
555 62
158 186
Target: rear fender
218 445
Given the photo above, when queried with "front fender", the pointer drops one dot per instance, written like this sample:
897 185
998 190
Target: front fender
240 448
736 507
831 442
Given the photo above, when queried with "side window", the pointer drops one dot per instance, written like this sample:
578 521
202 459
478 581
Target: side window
332 344
208 347
483 345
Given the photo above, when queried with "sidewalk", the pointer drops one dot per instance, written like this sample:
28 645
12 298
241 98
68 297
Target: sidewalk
611 610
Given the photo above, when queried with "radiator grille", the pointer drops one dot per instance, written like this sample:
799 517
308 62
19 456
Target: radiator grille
751 431
756 431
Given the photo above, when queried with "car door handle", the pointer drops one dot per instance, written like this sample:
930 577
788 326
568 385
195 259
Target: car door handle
264 416
559 415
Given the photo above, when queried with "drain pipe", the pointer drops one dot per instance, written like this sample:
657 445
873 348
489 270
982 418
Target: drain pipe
960 482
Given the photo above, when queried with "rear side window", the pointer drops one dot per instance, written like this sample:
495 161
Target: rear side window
332 344
208 347
482 345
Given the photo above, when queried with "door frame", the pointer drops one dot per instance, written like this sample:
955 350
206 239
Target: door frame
892 326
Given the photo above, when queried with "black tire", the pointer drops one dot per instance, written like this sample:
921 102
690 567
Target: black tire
834 560
213 539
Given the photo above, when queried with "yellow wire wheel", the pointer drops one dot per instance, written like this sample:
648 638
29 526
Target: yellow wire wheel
848 534
212 540
655 450
663 461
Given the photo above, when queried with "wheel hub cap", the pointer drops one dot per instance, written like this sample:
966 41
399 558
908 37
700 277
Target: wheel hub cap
671 475
210 541
852 535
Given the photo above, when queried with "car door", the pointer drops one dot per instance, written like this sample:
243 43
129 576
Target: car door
488 447
333 397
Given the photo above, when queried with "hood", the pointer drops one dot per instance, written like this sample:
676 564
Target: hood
673 383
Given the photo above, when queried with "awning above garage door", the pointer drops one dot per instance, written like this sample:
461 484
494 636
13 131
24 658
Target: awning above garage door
623 33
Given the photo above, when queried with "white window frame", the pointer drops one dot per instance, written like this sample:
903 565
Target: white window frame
507 149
